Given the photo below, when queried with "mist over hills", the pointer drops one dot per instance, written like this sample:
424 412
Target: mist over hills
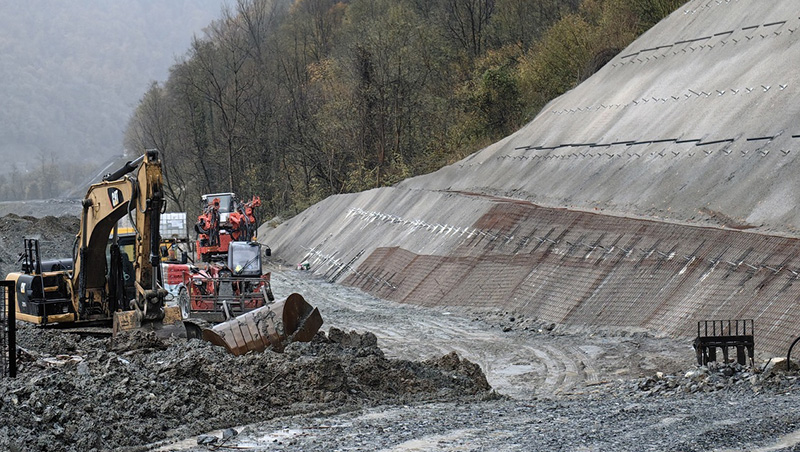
72 73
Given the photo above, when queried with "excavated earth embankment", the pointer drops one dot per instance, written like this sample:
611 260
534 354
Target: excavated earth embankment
89 394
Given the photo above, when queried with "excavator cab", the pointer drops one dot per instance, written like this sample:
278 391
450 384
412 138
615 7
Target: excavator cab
121 253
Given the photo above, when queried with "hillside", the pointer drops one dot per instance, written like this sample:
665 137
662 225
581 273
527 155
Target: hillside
297 100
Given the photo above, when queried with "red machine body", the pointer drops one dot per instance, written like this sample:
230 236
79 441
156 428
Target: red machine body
224 219
211 287
219 291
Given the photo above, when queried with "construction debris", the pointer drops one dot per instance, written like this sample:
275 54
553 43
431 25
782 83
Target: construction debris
713 377
85 394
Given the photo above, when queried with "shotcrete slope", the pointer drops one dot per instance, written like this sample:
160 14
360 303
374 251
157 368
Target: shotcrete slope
655 194
697 116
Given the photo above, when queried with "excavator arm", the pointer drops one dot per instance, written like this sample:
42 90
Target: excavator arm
134 190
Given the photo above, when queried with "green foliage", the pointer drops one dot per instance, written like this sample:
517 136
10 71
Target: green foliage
557 63
298 100
493 94
580 43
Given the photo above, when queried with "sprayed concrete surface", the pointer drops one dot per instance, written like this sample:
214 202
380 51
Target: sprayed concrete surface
656 194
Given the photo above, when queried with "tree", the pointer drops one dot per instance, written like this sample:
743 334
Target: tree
521 23
299 99
153 127
389 63
467 22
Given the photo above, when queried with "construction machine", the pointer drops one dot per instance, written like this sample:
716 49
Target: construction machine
271 327
113 280
218 292
175 248
93 291
226 280
175 244
224 219
229 288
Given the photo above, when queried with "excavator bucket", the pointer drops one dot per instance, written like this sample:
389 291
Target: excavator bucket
272 327
170 326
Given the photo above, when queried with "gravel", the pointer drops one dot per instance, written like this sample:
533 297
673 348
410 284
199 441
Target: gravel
623 417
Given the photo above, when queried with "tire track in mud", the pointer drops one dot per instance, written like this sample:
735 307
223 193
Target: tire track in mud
519 365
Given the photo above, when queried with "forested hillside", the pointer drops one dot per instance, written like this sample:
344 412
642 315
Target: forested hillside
72 72
298 100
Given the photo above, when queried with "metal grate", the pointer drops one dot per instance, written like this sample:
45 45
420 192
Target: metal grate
718 328
724 334
8 332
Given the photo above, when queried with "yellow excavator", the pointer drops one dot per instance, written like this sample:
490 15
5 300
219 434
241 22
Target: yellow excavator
90 290
93 289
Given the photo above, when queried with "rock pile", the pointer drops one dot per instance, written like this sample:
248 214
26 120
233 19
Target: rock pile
85 394
715 376
55 236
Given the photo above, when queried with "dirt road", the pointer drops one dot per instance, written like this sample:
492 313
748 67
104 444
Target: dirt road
521 358
569 390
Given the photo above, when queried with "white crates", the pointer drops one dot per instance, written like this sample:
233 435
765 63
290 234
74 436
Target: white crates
173 226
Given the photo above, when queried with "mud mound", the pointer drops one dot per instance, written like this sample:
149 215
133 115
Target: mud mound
136 341
367 373
56 236
85 394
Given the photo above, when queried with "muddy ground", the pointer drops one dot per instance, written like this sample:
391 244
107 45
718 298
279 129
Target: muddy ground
391 377
560 388
89 394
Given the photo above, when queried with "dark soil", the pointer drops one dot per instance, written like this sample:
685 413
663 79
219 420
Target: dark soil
87 394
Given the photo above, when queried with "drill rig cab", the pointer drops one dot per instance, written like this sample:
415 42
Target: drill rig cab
92 292
224 219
